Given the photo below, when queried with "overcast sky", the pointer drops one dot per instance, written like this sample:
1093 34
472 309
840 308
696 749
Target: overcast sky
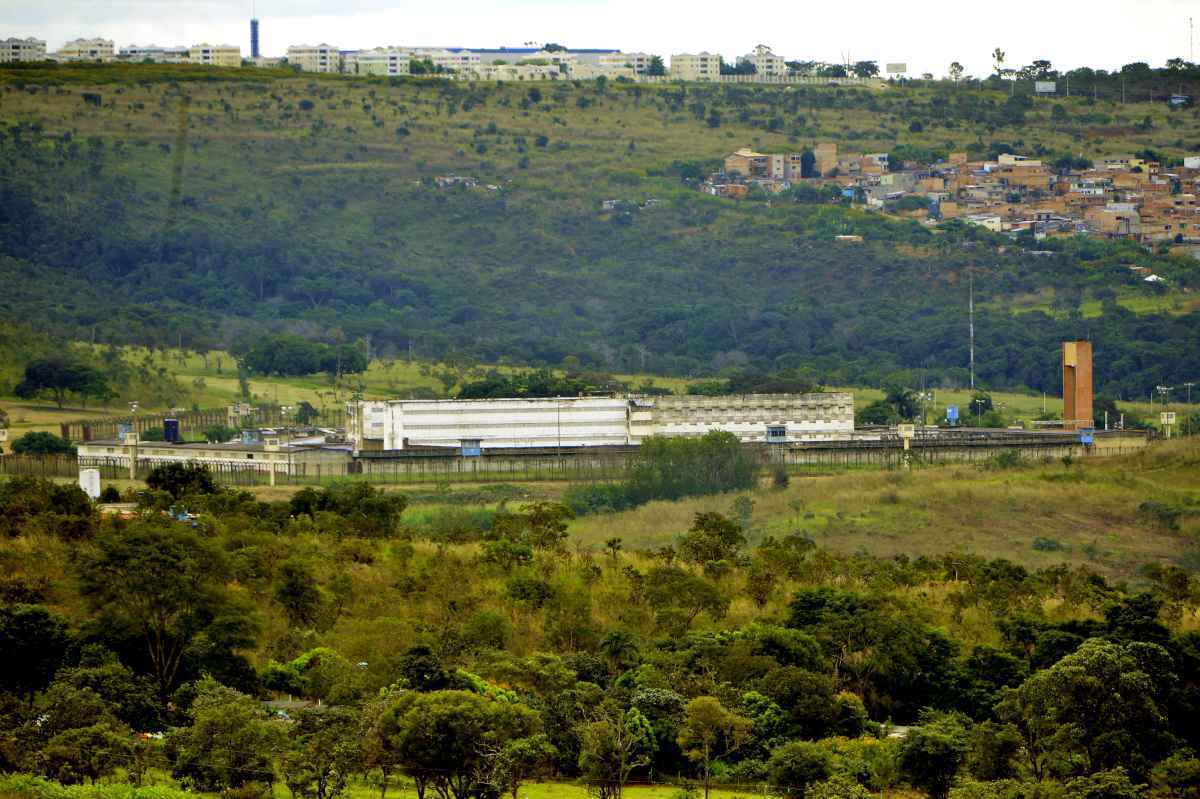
927 34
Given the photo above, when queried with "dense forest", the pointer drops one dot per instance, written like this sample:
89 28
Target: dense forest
310 208
470 653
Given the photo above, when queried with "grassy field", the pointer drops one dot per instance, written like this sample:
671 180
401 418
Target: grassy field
1090 510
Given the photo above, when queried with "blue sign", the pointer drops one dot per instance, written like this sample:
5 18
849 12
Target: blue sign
1087 436
952 414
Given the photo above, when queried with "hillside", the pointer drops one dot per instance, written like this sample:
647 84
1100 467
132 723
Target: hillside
201 212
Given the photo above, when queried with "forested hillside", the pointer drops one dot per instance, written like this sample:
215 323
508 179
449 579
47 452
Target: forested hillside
148 206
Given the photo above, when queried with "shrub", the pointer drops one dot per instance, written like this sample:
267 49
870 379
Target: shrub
597 498
39 443
1047 545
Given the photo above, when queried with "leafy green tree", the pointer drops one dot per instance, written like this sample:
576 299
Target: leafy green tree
932 754
712 537
678 597
37 442
711 731
59 377
322 753
1109 784
297 593
1095 709
656 68
450 740
34 642
519 760
796 765
865 69
839 786
86 753
168 583
182 479
231 741
613 744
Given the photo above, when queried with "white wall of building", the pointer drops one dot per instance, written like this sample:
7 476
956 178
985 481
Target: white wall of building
596 421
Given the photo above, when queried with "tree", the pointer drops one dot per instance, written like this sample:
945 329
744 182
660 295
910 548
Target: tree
520 759
230 742
956 71
296 592
37 442
182 479
86 753
903 400
322 754
34 642
1095 707
712 537
656 68
711 731
612 745
796 765
998 60
165 581
932 753
865 69
59 377
451 740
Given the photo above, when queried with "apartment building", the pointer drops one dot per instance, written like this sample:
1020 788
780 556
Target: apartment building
215 55
315 57
380 61
638 62
455 59
152 53
87 50
22 50
765 62
695 66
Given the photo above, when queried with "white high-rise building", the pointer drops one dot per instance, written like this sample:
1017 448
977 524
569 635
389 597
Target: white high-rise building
87 50
695 66
215 55
380 61
22 50
765 62
315 57
136 53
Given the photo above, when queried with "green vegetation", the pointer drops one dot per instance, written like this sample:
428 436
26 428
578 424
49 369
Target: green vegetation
759 645
229 210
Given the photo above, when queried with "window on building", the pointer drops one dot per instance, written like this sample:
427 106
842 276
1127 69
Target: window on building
776 433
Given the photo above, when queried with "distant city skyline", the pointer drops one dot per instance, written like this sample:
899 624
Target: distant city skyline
1103 34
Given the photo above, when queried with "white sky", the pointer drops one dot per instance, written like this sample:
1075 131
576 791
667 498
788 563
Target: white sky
927 34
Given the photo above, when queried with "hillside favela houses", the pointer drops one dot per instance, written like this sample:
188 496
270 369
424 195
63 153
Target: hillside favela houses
575 422
1116 197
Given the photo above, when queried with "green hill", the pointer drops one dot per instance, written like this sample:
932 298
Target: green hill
162 206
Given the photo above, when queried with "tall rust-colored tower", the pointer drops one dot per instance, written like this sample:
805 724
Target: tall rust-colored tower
1077 385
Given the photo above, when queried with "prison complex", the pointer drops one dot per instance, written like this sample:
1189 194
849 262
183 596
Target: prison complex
571 422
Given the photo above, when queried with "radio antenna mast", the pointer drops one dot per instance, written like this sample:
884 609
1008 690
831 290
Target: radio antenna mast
971 316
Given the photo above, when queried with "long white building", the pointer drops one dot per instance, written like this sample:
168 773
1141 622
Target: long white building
595 421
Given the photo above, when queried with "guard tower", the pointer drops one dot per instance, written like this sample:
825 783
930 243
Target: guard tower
1077 385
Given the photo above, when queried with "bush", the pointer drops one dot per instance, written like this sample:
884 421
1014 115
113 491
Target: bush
795 766
39 443
1047 545
182 479
597 498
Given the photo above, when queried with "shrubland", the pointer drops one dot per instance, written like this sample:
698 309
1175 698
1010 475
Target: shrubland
504 644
